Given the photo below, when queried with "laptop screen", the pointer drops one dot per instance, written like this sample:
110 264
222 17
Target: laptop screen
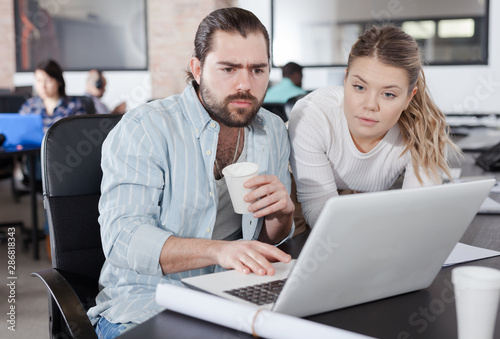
25 130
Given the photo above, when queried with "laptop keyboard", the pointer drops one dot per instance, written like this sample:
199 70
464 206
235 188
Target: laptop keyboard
259 294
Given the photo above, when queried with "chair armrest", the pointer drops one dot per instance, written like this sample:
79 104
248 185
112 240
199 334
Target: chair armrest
71 308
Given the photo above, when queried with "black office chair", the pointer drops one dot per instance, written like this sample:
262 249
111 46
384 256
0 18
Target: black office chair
276 108
291 102
11 103
87 103
71 192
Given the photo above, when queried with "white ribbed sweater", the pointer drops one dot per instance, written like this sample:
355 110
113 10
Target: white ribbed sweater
324 158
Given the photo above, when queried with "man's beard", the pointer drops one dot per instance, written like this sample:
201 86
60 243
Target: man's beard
238 117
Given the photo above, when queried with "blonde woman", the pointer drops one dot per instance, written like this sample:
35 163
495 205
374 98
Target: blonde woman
364 135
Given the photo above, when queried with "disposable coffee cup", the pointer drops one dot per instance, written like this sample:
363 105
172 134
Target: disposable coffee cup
235 175
477 292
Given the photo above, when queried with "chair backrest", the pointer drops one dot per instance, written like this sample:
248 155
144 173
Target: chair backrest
87 103
71 158
276 108
291 102
11 103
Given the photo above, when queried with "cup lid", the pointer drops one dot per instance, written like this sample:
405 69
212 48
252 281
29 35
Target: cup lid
240 169
476 276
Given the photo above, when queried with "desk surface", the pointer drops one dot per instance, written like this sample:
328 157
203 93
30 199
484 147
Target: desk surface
428 313
9 152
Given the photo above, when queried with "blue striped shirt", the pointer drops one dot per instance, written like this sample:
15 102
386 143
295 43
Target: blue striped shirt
158 165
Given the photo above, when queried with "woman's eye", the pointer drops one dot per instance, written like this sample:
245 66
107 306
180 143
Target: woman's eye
359 87
389 95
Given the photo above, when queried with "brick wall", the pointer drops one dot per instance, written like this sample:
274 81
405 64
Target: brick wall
7 43
171 29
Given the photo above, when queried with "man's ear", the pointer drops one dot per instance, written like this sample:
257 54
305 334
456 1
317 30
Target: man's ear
195 65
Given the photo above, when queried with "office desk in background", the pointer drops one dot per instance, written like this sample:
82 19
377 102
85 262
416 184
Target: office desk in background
32 152
428 313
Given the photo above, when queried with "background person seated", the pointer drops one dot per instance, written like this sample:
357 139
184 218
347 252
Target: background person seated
51 101
289 87
52 104
95 88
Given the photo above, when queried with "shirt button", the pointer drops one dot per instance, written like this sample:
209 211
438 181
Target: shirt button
209 152
208 229
211 194
212 124
196 130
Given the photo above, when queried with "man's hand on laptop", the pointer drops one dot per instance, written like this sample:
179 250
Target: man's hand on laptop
250 256
182 254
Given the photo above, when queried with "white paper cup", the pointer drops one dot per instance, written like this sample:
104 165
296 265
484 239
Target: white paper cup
235 175
477 292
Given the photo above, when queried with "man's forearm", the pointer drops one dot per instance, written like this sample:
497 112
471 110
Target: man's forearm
183 254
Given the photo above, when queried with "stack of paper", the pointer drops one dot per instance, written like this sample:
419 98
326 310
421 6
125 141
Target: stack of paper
465 253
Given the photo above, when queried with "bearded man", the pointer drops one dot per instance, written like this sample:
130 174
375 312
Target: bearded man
165 212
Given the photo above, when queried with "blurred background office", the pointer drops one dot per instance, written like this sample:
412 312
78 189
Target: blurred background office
95 88
289 86
143 48
145 44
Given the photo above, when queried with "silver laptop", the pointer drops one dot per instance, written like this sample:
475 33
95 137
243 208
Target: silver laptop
363 247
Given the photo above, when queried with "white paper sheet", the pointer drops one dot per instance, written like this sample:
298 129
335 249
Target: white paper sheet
496 188
489 206
464 253
241 317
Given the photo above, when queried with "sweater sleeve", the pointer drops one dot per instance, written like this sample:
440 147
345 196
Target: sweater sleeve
310 138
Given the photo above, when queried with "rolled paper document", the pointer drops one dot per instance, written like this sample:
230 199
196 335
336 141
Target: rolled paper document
243 317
